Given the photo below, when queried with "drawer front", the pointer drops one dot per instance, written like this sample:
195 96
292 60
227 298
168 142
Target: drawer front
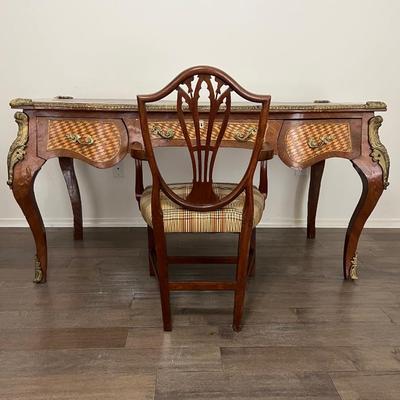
243 131
98 142
303 143
238 132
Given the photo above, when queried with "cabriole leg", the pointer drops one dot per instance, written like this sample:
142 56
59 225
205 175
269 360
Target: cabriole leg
22 188
313 196
373 169
371 176
23 166
67 168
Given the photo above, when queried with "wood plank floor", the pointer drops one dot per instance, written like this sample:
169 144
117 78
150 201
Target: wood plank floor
94 330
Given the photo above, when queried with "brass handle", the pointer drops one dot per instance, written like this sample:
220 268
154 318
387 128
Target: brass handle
76 138
168 134
319 142
244 136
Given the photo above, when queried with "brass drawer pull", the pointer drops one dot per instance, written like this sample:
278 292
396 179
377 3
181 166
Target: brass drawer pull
320 142
168 134
244 136
76 138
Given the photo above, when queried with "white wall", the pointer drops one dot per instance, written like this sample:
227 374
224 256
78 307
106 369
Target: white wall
342 50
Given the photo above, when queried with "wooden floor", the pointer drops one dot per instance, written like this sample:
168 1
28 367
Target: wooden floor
94 330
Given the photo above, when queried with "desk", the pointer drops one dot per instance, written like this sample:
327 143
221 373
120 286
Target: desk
99 132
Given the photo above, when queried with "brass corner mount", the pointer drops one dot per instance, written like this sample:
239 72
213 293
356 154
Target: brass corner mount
17 148
378 153
20 102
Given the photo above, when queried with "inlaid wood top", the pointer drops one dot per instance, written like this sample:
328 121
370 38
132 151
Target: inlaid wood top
63 103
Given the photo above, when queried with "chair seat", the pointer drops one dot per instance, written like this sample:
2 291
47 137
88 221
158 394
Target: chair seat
226 219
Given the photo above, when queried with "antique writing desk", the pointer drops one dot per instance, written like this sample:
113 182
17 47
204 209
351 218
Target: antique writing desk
99 132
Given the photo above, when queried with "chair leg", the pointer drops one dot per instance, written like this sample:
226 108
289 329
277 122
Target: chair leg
252 257
241 277
165 304
162 272
151 248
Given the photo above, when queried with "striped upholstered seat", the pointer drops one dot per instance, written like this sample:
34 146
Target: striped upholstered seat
178 219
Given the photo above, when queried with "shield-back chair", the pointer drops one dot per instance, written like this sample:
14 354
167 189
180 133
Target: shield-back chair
202 205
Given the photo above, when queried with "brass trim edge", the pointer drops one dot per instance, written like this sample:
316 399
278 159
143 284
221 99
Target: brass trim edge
379 153
311 107
17 149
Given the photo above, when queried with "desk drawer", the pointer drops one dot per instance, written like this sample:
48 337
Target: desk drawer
99 142
169 132
303 143
240 131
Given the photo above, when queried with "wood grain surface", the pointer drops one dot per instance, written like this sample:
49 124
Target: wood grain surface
94 331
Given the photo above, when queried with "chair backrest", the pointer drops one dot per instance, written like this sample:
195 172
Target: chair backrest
203 130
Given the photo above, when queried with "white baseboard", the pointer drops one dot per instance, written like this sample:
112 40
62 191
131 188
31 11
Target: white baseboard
138 222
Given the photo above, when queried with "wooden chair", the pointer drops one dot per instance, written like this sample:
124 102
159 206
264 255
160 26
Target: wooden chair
202 205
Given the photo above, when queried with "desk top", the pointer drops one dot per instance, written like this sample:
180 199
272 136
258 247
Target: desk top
68 103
